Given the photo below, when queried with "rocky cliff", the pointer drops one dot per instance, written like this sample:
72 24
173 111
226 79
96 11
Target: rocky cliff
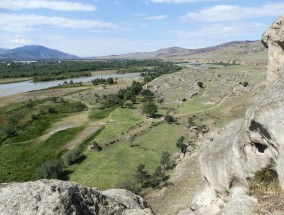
229 161
273 39
60 197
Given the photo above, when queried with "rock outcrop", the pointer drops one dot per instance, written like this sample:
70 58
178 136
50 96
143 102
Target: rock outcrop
273 39
247 145
60 197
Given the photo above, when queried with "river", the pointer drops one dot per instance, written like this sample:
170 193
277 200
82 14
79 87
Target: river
26 86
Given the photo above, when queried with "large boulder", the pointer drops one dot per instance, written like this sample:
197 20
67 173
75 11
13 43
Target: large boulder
273 39
61 198
249 144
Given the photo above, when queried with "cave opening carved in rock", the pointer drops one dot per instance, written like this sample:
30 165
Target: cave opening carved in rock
260 147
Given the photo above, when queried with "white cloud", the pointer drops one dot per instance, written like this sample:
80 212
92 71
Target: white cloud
221 13
222 31
180 1
19 23
60 5
160 17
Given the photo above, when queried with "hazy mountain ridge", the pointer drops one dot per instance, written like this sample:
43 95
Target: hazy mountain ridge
34 52
234 49
2 50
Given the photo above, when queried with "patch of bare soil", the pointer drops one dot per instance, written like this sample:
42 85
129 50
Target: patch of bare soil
68 122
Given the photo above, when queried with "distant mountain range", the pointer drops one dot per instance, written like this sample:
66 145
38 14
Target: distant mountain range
2 50
241 50
230 50
34 52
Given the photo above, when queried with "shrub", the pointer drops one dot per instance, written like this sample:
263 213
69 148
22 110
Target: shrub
265 176
52 169
181 145
128 104
169 118
245 84
71 157
131 185
200 84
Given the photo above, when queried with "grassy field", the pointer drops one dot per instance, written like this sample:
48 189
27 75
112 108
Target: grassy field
20 161
127 137
115 163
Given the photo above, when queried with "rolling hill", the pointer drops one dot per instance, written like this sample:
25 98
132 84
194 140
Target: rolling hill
34 52
241 50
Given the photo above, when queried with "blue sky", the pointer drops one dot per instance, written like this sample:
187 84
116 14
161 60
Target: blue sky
104 27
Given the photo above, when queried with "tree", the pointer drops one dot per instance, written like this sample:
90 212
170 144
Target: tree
149 109
181 145
142 176
165 160
110 81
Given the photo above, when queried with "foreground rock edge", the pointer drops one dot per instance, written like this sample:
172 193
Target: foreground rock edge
61 197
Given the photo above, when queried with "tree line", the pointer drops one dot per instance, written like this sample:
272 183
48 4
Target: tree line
57 70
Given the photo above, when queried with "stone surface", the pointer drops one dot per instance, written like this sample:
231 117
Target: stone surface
247 145
274 40
59 197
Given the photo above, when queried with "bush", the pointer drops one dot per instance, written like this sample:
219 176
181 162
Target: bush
200 84
128 104
265 176
169 118
181 145
52 169
71 157
245 84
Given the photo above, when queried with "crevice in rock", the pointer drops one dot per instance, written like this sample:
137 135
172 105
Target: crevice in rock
235 182
255 126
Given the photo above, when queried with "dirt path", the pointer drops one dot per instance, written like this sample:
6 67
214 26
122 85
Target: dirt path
68 122
187 182
85 134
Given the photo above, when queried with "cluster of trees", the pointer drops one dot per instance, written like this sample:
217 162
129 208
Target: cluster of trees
130 93
71 83
166 68
108 81
143 179
53 70
17 120
55 169
128 97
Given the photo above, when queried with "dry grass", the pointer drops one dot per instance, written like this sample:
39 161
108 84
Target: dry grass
270 197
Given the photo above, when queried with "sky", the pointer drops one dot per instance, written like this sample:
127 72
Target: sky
104 27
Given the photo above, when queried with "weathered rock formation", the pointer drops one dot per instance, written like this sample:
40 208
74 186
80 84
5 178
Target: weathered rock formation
60 197
273 39
246 145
